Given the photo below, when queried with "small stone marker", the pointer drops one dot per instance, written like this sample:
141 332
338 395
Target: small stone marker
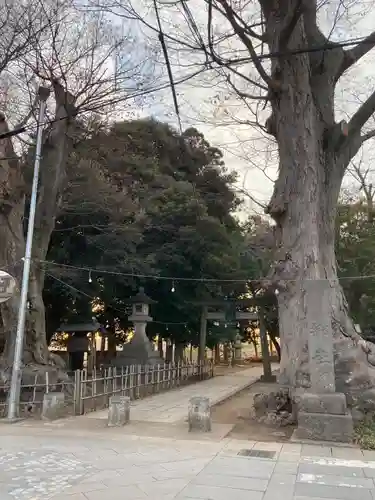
118 411
199 416
53 405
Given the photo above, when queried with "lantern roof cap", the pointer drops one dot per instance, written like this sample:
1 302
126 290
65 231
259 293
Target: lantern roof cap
141 298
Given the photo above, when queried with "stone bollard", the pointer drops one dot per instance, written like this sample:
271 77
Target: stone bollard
118 411
53 405
199 416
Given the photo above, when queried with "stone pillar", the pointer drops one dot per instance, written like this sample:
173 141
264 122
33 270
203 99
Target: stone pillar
179 352
217 354
267 369
238 349
140 331
321 412
53 405
226 352
203 335
118 411
160 346
319 331
169 352
199 416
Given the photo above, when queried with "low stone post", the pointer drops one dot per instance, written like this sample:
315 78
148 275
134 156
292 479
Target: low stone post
322 413
118 411
199 416
53 405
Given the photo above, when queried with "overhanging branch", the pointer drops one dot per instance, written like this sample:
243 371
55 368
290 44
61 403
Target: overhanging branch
241 32
356 53
364 113
246 95
368 135
354 140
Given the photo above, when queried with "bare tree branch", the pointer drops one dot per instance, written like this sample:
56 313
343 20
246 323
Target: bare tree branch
246 95
368 135
26 118
361 176
354 55
241 32
364 113
249 29
21 26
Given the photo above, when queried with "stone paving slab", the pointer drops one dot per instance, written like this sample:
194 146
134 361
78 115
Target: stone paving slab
36 464
171 406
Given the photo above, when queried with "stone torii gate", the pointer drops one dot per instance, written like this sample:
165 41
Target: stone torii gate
226 310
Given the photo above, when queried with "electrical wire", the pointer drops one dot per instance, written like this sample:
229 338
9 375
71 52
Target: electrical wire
115 308
168 64
176 279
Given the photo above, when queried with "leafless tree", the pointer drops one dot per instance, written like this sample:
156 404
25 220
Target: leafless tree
362 173
20 27
86 64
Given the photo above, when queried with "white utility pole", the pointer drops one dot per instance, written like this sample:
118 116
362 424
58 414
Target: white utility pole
14 393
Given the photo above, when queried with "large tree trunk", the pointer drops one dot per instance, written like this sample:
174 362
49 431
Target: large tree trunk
12 243
54 158
275 344
56 148
304 201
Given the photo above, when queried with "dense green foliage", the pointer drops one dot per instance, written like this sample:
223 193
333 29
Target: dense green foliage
142 199
355 251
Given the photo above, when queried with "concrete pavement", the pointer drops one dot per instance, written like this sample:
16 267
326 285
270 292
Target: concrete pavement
81 459
51 463
171 406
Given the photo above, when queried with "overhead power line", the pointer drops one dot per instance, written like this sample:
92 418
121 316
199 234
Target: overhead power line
176 279
12 133
168 64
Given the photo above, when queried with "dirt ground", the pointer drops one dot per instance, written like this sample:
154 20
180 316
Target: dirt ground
237 411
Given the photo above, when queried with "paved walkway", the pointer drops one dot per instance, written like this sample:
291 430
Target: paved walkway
41 464
171 406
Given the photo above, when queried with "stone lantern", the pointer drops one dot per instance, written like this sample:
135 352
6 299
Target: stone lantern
140 311
139 351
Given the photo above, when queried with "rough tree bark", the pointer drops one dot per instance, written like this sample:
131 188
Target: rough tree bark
12 205
56 148
314 153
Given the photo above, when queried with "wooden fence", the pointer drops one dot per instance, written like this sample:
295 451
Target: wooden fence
92 392
86 392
